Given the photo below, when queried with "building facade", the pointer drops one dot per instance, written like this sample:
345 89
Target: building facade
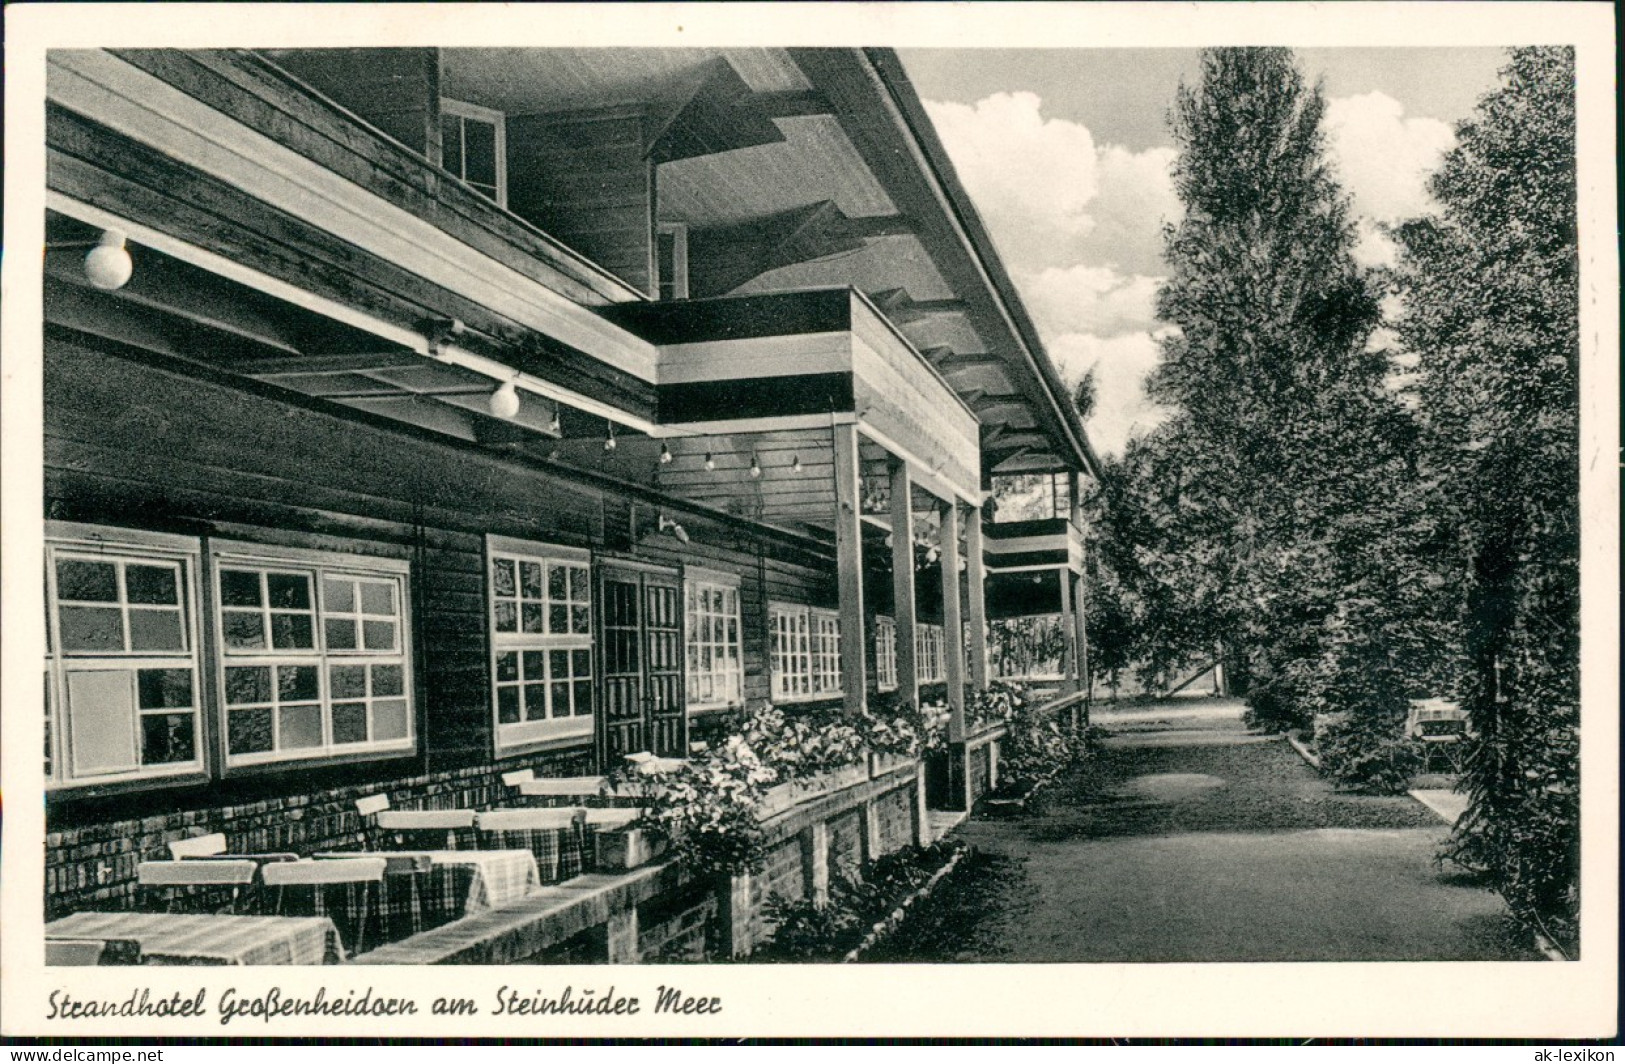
417 415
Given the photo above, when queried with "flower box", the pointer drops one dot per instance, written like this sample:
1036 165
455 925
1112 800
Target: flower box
782 796
627 848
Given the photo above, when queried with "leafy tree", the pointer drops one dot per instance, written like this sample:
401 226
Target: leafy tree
1490 287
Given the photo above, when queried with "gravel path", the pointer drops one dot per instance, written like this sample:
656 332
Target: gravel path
1190 840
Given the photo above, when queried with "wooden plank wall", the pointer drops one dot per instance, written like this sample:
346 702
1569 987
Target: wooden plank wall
139 443
396 89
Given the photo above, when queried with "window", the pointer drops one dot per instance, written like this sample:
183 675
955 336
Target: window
541 642
671 246
314 654
716 672
805 652
885 654
121 667
473 147
928 653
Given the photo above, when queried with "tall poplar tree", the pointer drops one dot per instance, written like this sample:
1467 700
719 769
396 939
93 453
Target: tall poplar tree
1491 290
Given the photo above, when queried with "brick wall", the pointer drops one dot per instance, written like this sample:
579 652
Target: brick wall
895 812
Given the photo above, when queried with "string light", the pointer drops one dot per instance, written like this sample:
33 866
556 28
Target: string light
504 402
609 440
795 463
755 467
108 265
665 455
710 463
556 425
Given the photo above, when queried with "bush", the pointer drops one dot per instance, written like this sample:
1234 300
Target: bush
1361 757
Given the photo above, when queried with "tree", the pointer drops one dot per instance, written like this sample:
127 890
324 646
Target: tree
1490 288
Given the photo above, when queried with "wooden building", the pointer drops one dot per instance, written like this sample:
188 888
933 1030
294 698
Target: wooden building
414 415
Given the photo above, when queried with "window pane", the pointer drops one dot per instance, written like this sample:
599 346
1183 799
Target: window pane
296 683
480 146
530 579
533 617
502 578
156 630
582 664
86 581
506 617
292 631
301 726
389 719
535 665
558 619
378 635
508 667
580 620
350 722
560 664
535 701
165 688
557 582
248 731
451 143
508 705
347 681
150 584
288 591
245 685
338 595
244 631
378 599
387 680
561 700
167 738
91 628
583 698
578 583
340 634
239 588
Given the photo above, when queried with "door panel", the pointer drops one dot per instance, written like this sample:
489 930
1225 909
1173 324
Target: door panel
663 635
622 657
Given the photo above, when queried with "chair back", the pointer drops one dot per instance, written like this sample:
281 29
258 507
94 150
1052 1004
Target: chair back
372 804
425 819
563 787
198 846
518 776
530 819
214 872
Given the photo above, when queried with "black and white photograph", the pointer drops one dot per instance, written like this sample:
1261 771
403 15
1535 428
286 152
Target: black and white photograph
870 503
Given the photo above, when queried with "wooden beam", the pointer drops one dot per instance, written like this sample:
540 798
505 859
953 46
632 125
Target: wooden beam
976 598
1069 659
955 362
793 103
849 568
1079 588
902 575
998 401
713 112
721 258
327 365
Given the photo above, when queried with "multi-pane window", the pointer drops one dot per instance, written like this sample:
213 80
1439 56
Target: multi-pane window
121 668
928 653
473 146
805 652
314 654
885 653
716 672
541 641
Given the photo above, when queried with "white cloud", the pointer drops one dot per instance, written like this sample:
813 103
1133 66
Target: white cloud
1383 158
1090 299
1121 363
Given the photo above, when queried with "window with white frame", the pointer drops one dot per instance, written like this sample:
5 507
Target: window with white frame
122 697
805 652
541 642
885 654
473 147
716 671
928 653
315 653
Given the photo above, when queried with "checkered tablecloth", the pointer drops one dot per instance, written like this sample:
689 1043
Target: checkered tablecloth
497 877
558 851
186 937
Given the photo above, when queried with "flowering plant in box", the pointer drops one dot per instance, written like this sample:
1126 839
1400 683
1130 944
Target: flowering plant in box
707 808
1001 703
802 746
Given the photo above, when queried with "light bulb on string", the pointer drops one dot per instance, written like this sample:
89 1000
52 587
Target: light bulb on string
755 467
504 402
665 455
609 440
795 463
556 424
108 265
710 463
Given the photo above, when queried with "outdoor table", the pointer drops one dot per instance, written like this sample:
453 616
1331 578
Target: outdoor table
557 838
181 938
493 877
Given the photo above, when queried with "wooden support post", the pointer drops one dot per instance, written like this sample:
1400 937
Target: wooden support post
622 935
734 915
849 565
953 652
902 581
1080 638
976 598
815 861
1069 657
993 765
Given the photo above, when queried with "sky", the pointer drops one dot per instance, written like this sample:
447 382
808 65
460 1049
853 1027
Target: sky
1066 154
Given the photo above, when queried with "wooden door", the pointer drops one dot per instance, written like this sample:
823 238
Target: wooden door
641 635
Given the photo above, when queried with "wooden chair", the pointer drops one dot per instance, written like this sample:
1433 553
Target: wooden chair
207 886
433 829
348 891
565 790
